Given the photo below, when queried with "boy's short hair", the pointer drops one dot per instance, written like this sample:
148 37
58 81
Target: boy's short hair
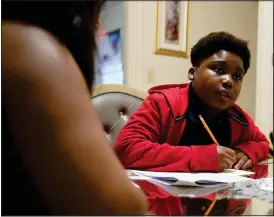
217 41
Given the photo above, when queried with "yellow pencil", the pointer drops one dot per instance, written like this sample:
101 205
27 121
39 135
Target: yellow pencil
208 130
210 208
216 142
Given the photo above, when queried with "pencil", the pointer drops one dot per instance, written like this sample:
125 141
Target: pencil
216 142
210 208
213 203
208 130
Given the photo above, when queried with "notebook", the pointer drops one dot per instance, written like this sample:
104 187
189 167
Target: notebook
192 179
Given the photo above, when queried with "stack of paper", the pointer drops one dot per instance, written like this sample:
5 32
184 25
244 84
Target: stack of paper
192 179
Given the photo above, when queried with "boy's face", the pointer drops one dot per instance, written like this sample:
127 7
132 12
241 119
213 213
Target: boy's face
218 80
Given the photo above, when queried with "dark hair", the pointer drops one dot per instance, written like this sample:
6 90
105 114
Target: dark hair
217 41
73 23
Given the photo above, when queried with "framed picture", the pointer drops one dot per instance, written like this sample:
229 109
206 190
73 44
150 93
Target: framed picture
172 28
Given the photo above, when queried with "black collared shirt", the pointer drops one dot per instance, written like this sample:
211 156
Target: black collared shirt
195 133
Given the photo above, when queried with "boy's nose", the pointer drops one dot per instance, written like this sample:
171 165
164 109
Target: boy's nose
227 82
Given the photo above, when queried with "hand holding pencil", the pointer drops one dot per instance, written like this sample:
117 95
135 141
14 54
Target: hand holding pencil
227 156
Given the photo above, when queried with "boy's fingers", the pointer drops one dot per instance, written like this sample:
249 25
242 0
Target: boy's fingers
224 165
247 164
230 152
241 163
239 155
229 160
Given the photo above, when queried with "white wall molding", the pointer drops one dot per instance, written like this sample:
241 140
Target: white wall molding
264 81
134 44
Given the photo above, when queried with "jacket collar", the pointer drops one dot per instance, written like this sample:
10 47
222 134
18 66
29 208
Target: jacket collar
177 97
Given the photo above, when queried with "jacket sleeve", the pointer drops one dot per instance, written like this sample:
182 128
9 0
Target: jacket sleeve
256 146
138 148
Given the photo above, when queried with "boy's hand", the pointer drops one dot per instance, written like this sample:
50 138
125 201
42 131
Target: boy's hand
243 161
227 157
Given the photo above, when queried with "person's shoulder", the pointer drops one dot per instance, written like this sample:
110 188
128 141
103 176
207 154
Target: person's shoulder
25 44
156 98
31 55
169 92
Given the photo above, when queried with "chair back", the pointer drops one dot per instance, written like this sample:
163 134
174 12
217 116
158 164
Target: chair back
114 105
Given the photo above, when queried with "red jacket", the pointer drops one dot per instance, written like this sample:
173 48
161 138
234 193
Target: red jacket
150 139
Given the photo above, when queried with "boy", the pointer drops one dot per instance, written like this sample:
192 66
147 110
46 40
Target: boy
165 134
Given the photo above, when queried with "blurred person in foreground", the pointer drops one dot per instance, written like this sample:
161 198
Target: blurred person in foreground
55 158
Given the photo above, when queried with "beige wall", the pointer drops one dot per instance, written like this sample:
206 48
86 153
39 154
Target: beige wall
264 81
143 66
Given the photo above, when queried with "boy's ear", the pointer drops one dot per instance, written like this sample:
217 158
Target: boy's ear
191 74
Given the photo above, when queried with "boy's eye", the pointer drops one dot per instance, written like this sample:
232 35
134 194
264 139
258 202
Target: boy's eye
219 70
237 77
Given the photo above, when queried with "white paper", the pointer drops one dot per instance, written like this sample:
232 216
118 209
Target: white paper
137 177
264 162
192 179
238 172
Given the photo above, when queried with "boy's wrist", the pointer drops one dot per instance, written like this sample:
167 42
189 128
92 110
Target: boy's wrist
204 158
248 153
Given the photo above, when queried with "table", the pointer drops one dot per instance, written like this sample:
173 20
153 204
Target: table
245 198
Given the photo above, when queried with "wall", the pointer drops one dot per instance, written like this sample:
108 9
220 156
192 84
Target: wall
143 66
112 16
264 82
